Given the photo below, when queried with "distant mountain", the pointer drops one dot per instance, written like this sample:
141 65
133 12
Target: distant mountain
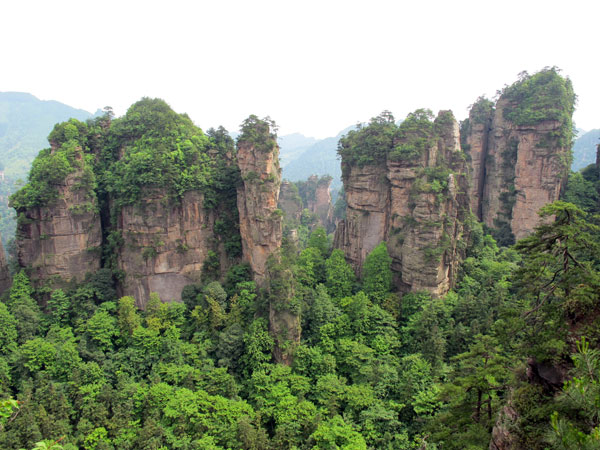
320 158
584 150
25 123
293 145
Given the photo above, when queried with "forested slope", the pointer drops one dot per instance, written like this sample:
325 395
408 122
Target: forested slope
278 342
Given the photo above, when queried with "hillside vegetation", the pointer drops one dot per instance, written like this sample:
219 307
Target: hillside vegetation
510 355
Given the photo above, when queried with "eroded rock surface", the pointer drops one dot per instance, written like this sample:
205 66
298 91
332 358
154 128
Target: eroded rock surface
525 170
62 239
5 280
520 158
260 219
165 245
475 140
417 204
320 203
503 437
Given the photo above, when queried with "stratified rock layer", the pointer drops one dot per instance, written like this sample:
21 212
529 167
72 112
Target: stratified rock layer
260 219
165 245
261 232
520 152
62 239
4 274
525 170
476 145
417 205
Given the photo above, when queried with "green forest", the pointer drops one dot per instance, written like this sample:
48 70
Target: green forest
81 367
374 369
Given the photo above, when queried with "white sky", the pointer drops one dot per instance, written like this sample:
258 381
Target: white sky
313 66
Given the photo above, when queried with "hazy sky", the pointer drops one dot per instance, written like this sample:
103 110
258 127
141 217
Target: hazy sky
314 66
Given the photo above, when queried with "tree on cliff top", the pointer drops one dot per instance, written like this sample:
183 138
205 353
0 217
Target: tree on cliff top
368 145
261 133
160 148
543 96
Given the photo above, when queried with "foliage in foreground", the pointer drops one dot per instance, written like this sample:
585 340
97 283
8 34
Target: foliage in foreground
372 371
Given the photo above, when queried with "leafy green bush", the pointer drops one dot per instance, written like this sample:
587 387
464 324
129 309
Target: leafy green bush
481 111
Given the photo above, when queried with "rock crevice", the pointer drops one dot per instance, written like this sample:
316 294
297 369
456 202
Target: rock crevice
416 203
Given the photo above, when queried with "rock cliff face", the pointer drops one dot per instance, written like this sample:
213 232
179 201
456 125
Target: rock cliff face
406 185
61 239
261 231
367 213
520 153
149 192
260 219
165 246
4 274
415 201
525 168
475 134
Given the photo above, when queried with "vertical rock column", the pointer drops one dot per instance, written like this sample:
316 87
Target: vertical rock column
4 275
320 202
521 161
367 212
290 202
428 204
260 219
261 231
415 200
525 170
476 146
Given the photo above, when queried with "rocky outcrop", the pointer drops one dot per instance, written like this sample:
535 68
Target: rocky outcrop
5 281
503 437
284 320
524 171
416 202
165 245
61 240
260 219
475 134
261 231
520 158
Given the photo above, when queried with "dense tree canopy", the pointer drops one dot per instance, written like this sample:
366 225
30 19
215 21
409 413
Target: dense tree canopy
82 367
